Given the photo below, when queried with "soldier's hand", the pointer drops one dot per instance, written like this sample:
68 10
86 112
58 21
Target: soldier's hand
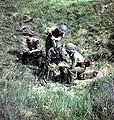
30 52
61 64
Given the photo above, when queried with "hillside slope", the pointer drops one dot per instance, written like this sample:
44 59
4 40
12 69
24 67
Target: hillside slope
90 24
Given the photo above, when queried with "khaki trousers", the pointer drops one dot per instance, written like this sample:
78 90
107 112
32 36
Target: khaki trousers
74 72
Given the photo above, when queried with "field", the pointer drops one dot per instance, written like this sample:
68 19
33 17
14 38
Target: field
90 24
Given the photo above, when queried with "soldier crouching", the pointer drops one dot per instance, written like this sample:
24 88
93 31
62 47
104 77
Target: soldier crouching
33 49
79 64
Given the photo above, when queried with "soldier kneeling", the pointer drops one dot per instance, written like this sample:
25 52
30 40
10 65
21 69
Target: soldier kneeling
33 50
79 64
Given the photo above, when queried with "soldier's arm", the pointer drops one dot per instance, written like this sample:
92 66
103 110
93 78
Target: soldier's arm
50 53
56 39
35 50
80 57
64 55
74 62
38 48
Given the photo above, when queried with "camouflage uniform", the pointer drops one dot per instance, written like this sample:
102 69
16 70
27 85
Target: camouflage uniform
78 66
55 56
53 33
33 49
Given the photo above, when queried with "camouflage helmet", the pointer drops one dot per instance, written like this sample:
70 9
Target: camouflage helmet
62 28
28 32
70 47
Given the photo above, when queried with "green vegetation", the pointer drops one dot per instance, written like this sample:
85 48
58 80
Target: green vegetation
21 97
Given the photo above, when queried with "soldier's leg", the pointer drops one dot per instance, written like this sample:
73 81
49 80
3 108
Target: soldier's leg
39 61
47 46
88 75
39 58
62 74
25 56
73 73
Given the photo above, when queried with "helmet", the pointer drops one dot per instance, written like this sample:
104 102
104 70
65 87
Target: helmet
28 32
70 47
62 28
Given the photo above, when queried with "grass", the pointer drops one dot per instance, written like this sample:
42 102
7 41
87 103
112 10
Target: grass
55 102
22 97
81 19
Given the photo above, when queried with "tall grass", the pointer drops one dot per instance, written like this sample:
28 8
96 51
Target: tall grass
25 100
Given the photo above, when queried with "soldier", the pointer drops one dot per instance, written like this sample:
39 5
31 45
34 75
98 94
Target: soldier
54 36
58 57
33 49
79 64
